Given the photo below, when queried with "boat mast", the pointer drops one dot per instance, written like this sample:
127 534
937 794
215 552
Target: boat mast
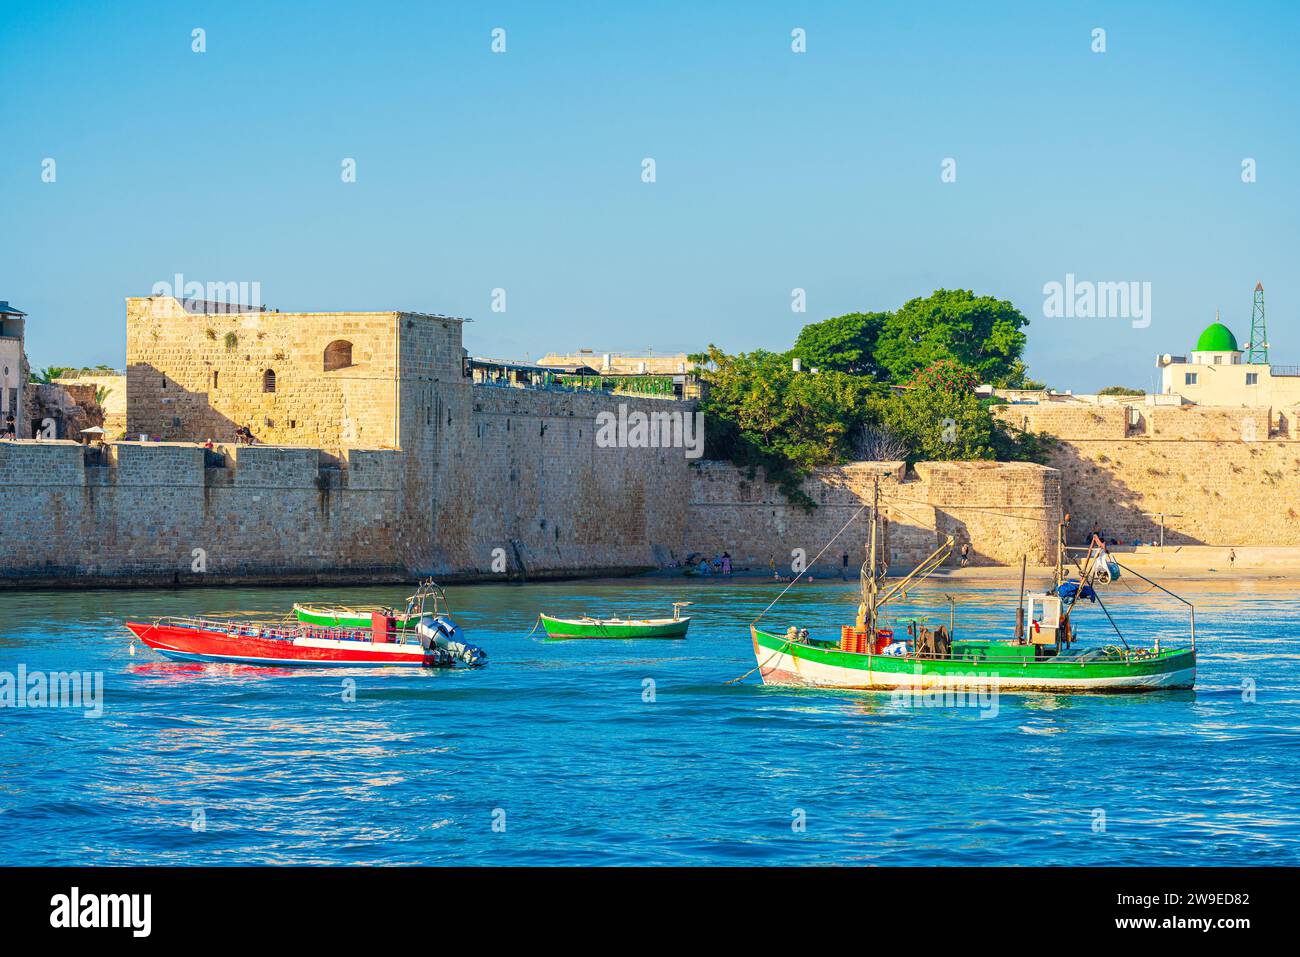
870 586
1020 602
1060 551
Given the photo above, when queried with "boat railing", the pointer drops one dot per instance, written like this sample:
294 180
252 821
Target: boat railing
270 630
967 656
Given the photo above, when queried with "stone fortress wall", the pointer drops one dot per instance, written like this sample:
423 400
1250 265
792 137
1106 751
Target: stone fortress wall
1220 476
476 481
1004 510
382 462
139 514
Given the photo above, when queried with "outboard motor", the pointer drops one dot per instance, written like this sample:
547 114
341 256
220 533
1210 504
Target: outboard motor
443 633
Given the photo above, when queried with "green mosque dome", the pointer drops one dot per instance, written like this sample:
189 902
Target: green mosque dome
1217 338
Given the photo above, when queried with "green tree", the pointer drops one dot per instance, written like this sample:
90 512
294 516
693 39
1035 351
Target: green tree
980 332
759 412
939 416
1120 390
843 343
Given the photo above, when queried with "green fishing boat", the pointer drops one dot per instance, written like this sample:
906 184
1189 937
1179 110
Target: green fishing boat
586 627
1041 653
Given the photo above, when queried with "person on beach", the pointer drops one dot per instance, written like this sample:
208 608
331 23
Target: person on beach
1232 558
965 554
726 563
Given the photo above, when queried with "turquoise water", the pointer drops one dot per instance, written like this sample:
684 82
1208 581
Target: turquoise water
638 752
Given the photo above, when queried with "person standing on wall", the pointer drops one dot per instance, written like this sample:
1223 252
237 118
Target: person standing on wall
965 554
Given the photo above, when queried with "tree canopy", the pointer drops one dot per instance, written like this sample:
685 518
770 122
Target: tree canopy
1121 390
980 332
843 343
933 352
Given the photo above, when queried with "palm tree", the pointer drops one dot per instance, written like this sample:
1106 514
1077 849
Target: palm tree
47 375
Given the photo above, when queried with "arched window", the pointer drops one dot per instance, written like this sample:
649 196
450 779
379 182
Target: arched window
338 355
268 380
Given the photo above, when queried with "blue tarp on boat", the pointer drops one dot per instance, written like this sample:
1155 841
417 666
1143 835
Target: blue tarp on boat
1067 589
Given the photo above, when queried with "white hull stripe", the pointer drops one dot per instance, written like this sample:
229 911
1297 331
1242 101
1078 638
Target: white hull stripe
287 662
784 669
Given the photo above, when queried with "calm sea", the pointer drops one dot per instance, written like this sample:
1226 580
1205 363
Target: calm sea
639 753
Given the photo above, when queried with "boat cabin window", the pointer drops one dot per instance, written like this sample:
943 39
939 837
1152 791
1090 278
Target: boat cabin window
1045 609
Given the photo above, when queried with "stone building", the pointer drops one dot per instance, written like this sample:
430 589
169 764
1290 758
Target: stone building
621 363
13 368
676 369
107 388
323 379
485 476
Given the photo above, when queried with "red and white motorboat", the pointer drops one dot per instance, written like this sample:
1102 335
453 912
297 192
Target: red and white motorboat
293 644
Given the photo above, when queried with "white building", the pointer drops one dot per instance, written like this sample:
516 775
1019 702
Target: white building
12 326
1215 373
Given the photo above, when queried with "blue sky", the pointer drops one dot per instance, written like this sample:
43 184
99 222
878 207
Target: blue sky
775 170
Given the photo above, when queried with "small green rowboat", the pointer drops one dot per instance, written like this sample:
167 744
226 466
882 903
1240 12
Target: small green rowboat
344 616
428 599
561 628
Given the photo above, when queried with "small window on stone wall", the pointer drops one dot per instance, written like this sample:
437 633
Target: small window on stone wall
338 355
268 380
216 375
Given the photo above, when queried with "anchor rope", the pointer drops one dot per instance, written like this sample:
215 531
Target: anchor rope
760 667
853 518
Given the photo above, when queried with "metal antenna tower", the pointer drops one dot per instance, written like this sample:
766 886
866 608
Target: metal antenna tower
1257 351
